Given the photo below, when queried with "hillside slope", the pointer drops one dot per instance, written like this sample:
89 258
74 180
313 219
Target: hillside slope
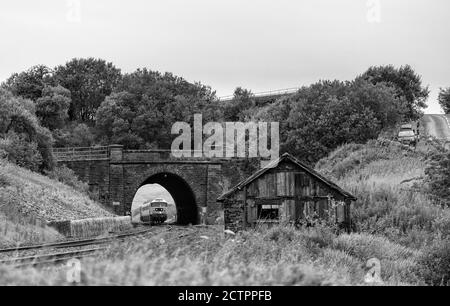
395 222
390 184
46 199
29 200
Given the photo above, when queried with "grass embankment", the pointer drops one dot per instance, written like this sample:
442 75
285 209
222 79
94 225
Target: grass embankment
29 200
278 256
391 188
395 222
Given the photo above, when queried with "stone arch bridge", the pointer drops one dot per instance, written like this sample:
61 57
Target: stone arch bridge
114 175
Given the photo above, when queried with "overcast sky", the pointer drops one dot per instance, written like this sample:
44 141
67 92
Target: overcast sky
258 44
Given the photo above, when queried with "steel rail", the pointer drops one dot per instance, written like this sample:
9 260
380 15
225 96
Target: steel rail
74 243
49 258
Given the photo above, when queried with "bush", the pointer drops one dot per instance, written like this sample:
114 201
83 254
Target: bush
280 234
74 135
52 108
434 264
3 180
68 177
365 246
20 126
45 141
320 236
444 99
20 151
351 158
438 176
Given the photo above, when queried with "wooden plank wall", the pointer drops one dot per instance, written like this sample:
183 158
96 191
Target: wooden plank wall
285 185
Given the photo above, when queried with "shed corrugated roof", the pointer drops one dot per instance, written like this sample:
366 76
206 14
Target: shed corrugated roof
274 164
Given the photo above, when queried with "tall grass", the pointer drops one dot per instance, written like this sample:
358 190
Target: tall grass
32 194
394 201
29 200
392 195
24 232
395 220
278 256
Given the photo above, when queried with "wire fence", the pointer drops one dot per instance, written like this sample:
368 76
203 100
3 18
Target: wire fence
82 153
278 92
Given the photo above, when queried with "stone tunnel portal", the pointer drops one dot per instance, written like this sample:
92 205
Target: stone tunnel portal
182 194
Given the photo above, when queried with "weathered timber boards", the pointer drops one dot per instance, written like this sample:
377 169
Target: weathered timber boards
173 162
300 198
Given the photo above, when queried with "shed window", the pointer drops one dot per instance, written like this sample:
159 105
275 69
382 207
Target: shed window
268 212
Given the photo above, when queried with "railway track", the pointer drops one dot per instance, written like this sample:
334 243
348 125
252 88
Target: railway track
39 260
18 261
74 243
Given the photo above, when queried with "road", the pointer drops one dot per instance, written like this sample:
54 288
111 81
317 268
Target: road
437 126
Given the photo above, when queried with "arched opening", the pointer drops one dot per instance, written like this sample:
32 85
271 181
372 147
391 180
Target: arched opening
174 190
148 193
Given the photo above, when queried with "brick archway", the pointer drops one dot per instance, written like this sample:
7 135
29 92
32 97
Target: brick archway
183 186
181 192
114 175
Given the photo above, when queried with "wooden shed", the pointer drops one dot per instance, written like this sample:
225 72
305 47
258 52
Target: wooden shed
286 191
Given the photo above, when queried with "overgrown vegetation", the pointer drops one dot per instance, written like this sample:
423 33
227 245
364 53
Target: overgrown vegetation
22 138
275 256
401 216
328 114
100 105
434 264
29 200
396 222
68 177
438 176
396 200
444 99
146 104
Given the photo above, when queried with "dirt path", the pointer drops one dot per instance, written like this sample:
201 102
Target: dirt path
437 126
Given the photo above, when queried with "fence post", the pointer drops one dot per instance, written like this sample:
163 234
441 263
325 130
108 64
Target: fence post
116 179
115 153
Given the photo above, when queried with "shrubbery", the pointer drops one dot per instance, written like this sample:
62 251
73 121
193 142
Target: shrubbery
20 151
74 135
321 117
53 106
3 180
444 99
438 176
68 177
395 215
24 140
434 264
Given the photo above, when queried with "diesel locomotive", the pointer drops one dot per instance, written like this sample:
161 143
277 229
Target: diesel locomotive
154 212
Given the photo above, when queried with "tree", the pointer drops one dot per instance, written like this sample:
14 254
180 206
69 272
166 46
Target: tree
235 109
29 84
82 136
387 107
444 99
327 114
116 117
52 108
21 151
89 81
75 135
142 113
23 138
407 83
